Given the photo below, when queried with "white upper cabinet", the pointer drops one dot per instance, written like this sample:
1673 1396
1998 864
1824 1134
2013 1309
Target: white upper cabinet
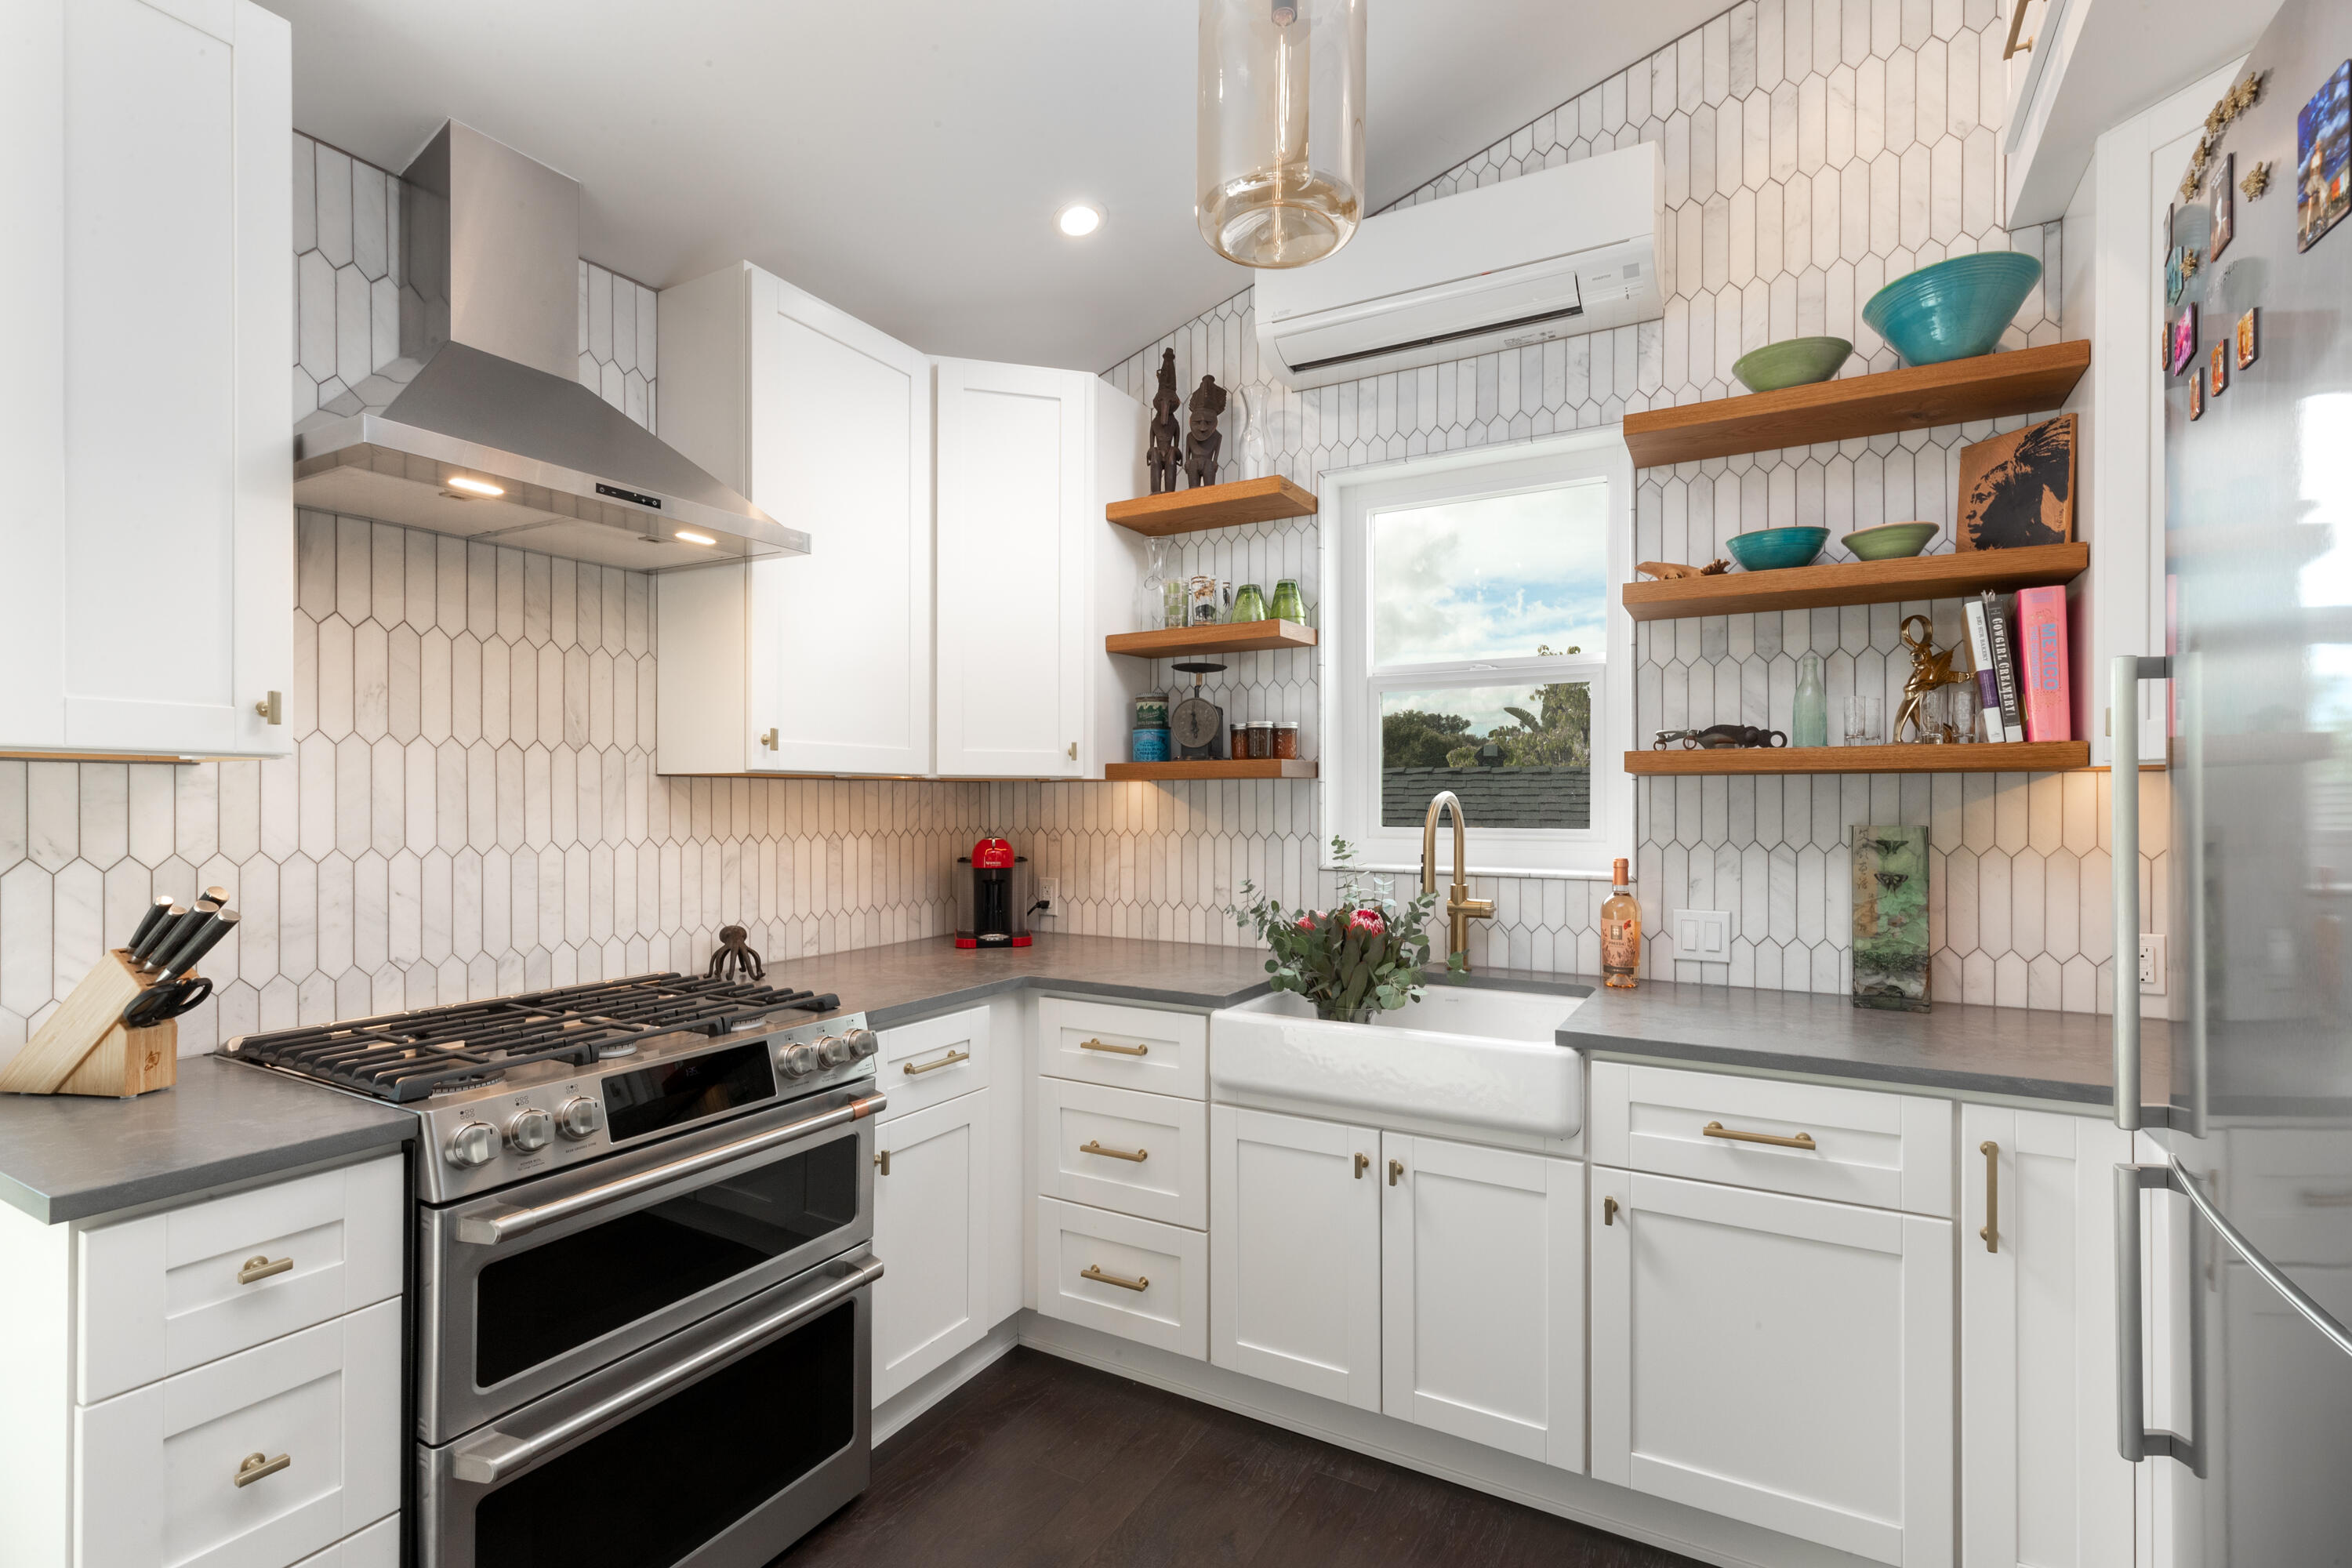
147 546
1030 575
820 663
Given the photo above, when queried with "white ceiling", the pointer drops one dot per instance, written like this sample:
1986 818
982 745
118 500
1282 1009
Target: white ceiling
905 161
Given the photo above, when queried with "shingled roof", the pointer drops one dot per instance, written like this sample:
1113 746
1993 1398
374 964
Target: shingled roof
1491 797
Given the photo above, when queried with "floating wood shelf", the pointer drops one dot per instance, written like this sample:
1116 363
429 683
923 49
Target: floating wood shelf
1213 506
1246 768
1239 637
1857 583
2030 757
1989 387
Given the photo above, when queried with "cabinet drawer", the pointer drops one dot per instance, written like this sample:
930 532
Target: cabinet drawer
155 1469
1888 1151
926 1063
1170 1310
1126 1048
1144 1154
168 1291
377 1546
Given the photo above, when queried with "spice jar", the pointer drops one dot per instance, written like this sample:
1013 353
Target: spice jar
1286 738
1261 739
1240 747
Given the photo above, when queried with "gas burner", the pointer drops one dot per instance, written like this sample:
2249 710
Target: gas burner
612 1049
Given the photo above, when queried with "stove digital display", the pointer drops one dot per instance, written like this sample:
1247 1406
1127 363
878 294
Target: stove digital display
674 1093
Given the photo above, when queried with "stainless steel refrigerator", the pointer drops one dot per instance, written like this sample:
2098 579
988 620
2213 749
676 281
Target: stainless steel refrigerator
2234 1250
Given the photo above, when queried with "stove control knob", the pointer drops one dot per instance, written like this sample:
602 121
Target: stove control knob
531 1129
474 1143
800 1060
835 1049
579 1118
862 1044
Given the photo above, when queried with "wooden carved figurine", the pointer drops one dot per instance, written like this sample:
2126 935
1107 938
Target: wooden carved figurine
735 959
1666 571
1166 451
1203 442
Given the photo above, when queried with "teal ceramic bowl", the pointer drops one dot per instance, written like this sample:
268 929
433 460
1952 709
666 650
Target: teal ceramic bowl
1799 362
1954 310
1890 540
1769 549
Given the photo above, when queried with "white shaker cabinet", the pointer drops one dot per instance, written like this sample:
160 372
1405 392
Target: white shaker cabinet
931 1230
146 551
815 664
2040 1481
1775 1359
1031 576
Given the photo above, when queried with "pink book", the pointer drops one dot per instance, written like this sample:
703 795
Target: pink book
2042 638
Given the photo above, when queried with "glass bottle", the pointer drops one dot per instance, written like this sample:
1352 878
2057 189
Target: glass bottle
1809 715
1280 172
1620 932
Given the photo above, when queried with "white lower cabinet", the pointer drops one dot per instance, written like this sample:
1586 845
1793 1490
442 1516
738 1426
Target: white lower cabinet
2040 1481
1134 1278
166 1474
930 1230
1774 1359
1295 1252
1481 1331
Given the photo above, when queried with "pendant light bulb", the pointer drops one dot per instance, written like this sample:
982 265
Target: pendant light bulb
1281 128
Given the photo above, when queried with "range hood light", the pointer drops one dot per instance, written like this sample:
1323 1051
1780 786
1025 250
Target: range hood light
475 486
693 538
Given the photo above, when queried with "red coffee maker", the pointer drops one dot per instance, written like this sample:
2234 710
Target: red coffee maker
992 887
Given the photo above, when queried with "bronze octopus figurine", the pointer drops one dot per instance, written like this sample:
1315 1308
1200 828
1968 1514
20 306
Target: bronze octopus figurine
736 959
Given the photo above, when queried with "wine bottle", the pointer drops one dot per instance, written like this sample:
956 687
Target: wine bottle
1620 933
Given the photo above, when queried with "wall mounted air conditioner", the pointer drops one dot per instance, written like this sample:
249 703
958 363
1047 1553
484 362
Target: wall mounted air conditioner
1555 254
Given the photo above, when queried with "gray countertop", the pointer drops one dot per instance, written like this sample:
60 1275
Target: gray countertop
67 1156
63 1157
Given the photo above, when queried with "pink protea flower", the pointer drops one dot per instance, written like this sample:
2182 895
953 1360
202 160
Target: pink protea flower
1310 921
1367 922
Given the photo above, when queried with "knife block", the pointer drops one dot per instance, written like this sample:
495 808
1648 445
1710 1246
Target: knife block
84 1048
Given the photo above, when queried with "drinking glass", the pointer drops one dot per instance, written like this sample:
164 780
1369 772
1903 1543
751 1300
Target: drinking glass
1287 606
1866 722
1249 604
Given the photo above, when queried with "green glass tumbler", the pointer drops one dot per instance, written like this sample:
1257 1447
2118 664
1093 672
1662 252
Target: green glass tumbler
1249 605
1287 606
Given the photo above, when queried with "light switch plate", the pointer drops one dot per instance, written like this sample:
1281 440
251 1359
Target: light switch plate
2151 965
1704 935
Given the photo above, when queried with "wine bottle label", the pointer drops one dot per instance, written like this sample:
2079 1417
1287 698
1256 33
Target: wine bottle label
1621 945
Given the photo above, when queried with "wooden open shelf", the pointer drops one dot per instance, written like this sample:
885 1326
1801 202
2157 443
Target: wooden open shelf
1238 637
1213 506
1989 387
1246 768
2030 757
1857 583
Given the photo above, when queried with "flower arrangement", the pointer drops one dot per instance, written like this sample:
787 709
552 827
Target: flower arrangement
1362 955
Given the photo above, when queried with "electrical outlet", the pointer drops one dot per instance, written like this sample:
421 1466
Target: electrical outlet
2151 965
1703 934
1049 893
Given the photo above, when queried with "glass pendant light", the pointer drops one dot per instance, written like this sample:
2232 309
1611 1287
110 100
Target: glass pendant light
1281 128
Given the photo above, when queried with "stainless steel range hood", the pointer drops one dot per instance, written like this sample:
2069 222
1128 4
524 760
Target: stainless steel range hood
485 395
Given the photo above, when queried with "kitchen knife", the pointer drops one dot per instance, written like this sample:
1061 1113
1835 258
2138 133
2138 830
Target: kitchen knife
156 914
144 949
181 955
212 899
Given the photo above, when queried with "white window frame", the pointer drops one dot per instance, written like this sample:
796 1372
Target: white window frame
1348 782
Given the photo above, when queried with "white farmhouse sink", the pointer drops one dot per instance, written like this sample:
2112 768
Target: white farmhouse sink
1470 1056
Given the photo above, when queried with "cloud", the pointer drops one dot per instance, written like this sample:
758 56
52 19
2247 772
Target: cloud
1491 578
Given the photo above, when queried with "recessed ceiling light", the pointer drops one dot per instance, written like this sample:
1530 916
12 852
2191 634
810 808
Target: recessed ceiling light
693 538
1078 219
475 486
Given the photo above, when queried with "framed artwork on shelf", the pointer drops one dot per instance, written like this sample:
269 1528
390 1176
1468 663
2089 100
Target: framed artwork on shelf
2323 146
2184 340
1890 918
2019 488
2248 349
2197 395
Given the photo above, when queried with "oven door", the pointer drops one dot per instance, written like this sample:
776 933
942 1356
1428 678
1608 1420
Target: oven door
716 1448
522 1290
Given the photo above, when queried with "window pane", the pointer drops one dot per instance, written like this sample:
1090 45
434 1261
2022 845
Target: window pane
1517 755
1503 577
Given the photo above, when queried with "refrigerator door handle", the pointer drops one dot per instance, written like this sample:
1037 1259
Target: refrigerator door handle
2134 1439
2127 672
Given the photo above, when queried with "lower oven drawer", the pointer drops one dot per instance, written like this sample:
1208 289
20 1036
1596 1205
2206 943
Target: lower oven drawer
1133 1278
716 1448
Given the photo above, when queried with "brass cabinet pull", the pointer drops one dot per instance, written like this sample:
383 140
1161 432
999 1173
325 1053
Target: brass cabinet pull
1609 1211
1717 1130
253 1467
258 1267
1121 1050
1363 1163
882 1159
1141 1282
272 708
1094 1146
1992 1231
768 740
914 1070
2016 24
1396 1170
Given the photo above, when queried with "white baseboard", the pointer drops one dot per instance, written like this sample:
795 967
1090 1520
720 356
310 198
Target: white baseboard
894 1413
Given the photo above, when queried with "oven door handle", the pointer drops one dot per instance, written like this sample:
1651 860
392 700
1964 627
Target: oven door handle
492 1226
497 1456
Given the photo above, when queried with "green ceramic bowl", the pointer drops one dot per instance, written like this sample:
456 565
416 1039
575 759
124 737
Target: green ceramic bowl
1890 540
1800 362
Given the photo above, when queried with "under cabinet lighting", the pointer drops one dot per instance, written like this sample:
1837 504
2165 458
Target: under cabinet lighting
475 486
693 538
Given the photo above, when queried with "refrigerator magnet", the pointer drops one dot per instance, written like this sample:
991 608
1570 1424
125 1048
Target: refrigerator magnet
2197 395
2248 348
2184 339
2217 379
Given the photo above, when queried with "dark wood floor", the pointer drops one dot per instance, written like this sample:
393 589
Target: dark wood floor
1040 1461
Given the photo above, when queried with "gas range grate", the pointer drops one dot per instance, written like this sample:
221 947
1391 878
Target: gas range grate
404 1057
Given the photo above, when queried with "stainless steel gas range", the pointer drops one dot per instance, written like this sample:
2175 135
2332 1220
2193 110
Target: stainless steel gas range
643 1245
